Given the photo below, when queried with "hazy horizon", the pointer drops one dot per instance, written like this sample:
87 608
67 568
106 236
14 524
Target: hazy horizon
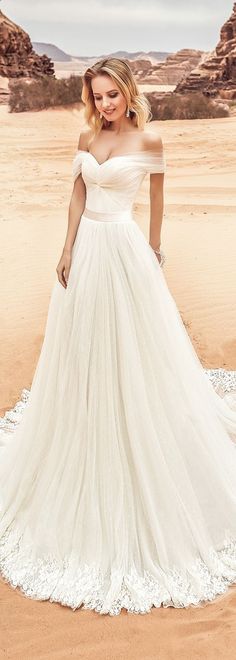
98 27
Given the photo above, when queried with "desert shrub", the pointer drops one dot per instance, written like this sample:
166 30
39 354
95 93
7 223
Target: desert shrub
44 93
185 106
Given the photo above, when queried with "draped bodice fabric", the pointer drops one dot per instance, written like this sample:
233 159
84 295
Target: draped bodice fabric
112 185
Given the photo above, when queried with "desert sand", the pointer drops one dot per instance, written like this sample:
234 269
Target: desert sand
199 240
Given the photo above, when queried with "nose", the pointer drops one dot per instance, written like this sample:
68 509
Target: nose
105 104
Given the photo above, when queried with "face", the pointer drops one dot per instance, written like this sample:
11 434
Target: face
108 98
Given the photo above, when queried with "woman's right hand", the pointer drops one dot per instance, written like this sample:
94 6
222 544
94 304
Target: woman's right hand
63 267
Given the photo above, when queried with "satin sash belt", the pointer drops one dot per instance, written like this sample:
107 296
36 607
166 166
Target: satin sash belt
113 216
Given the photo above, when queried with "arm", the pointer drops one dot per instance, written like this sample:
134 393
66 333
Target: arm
77 202
154 143
156 209
76 208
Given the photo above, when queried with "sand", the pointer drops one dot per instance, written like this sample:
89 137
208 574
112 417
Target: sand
199 240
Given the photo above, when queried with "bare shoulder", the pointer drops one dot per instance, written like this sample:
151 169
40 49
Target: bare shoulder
152 142
84 138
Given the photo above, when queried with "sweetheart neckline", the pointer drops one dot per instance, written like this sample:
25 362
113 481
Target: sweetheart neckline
143 152
108 159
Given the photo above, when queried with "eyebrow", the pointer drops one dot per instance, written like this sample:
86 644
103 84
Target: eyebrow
109 90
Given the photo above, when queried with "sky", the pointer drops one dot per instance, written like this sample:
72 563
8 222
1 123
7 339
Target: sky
99 27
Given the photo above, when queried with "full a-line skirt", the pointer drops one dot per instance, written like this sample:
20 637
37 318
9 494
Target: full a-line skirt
118 485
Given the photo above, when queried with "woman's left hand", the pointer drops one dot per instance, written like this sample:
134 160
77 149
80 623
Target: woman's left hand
159 255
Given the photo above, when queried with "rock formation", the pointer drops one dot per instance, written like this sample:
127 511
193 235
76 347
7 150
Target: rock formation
4 90
169 72
216 75
17 57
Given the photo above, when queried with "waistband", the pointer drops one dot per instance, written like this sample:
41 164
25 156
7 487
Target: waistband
113 216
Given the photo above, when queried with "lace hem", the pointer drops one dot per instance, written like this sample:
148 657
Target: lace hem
222 380
73 585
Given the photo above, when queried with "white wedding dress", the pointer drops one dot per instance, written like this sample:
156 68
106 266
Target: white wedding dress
118 467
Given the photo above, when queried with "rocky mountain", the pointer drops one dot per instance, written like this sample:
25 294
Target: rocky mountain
52 51
216 75
4 91
169 72
59 55
17 57
152 67
156 56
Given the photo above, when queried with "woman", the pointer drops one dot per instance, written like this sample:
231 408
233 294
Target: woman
118 489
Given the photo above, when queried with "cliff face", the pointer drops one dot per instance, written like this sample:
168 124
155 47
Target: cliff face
17 57
169 72
216 75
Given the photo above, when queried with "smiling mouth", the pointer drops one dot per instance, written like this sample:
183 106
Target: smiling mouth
108 112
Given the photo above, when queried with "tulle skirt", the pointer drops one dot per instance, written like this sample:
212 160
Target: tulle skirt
118 485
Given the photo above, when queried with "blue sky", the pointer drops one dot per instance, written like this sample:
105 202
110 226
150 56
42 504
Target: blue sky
97 27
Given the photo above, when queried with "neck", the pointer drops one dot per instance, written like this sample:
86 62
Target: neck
121 125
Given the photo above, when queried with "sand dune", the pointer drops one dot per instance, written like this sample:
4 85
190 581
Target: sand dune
199 239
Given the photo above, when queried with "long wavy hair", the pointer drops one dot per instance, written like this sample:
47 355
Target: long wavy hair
120 72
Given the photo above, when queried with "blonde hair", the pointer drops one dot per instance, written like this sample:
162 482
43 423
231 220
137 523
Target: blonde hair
121 74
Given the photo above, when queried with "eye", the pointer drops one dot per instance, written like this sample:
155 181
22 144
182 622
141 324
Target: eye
112 95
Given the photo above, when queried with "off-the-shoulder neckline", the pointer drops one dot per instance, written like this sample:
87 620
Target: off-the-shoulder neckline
148 153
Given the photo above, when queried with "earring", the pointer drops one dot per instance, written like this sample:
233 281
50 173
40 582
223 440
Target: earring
127 111
101 115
